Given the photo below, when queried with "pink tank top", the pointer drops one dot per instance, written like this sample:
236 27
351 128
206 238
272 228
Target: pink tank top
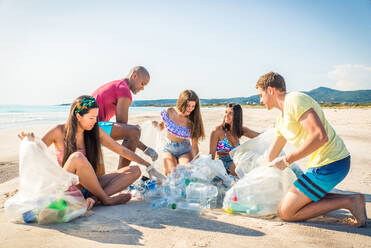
60 153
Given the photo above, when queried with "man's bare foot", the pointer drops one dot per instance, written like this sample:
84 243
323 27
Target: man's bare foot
358 209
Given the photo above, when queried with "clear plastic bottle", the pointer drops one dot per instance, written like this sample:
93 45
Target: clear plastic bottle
204 194
160 203
187 207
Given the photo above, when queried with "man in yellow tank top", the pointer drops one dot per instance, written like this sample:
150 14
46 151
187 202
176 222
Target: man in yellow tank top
303 123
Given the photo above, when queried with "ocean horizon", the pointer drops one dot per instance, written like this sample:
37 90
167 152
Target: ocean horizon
14 116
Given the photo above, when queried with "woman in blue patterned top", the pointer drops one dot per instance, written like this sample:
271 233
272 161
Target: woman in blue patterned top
227 136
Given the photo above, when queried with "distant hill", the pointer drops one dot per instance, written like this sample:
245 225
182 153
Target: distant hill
321 95
324 95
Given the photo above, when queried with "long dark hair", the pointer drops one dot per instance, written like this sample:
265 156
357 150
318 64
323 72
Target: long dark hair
196 125
237 120
82 105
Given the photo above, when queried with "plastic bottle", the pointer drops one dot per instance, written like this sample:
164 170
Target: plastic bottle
160 203
29 216
164 203
186 207
204 194
135 193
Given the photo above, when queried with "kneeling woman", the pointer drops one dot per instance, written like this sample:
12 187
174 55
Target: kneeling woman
227 136
78 149
184 129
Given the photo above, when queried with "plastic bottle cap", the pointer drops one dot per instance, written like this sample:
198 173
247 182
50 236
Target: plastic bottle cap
173 206
234 198
187 181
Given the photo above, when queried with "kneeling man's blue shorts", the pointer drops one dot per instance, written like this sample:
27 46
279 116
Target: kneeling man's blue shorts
317 182
106 126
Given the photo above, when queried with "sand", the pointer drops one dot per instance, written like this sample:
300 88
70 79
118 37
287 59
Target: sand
136 224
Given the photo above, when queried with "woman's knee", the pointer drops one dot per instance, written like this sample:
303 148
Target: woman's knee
77 157
76 161
136 171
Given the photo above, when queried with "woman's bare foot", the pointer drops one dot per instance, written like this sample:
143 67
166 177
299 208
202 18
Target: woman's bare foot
358 209
120 199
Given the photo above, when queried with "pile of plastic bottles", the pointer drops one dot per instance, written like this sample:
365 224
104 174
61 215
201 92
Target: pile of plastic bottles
199 185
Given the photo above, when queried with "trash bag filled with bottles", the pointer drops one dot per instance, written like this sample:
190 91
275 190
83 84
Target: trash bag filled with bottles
46 194
198 185
260 188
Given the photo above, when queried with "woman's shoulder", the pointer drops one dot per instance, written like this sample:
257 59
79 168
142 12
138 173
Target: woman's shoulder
219 129
171 112
57 129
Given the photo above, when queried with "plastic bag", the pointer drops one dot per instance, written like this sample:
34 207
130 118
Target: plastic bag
251 154
46 193
154 138
207 169
259 192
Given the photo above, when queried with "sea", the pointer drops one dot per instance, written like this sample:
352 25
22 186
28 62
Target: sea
14 116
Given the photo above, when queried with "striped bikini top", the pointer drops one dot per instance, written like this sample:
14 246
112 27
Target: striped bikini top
174 129
224 145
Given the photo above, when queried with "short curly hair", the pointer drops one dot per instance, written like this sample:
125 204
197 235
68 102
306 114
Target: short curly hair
273 80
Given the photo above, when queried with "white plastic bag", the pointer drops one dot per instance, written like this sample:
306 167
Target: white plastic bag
251 154
46 193
154 138
205 168
259 192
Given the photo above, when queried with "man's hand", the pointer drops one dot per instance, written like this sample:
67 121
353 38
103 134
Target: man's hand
279 163
152 153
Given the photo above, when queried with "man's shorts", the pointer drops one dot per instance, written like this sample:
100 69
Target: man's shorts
317 182
106 126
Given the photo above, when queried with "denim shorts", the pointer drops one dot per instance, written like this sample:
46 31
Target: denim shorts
227 162
315 183
177 149
106 126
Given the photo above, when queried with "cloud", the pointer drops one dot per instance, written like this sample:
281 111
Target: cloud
351 77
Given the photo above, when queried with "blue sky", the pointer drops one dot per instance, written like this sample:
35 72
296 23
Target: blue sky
53 51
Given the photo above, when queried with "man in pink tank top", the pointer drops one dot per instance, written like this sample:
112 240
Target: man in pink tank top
114 99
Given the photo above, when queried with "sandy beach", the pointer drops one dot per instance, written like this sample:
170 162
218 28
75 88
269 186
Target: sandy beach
136 224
